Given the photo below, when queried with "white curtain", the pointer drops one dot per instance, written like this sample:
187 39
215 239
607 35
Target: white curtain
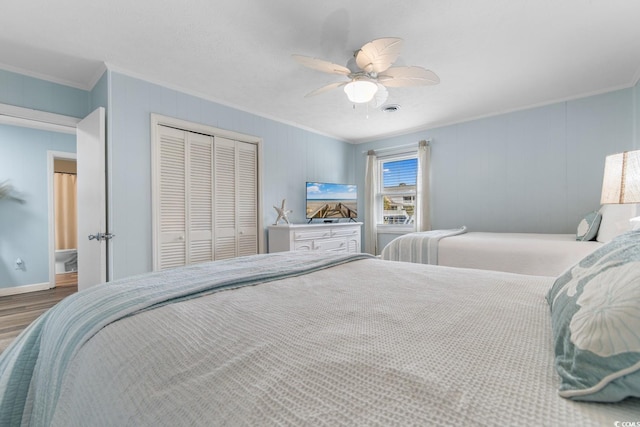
423 214
66 236
370 212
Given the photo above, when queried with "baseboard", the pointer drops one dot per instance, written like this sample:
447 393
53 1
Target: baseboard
24 289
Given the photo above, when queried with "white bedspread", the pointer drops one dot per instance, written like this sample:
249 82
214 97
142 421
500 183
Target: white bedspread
523 253
365 343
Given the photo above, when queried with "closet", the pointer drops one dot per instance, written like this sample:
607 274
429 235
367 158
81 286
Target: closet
206 196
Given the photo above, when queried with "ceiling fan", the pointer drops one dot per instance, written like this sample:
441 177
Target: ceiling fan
370 72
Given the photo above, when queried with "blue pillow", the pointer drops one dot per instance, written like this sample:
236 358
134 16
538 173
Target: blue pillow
588 227
595 313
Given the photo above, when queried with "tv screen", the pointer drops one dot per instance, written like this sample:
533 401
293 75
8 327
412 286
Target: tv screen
331 201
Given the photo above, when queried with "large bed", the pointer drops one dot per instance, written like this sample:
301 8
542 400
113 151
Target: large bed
297 338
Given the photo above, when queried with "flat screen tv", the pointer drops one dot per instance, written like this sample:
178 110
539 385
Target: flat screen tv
329 201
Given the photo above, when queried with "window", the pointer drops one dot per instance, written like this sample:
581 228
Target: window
397 190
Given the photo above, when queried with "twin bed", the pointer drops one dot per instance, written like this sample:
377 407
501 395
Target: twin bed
523 253
311 338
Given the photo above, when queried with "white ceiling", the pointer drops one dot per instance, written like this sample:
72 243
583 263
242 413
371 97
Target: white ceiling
492 56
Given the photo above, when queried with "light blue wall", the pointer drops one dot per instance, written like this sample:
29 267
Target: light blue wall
99 95
636 112
537 170
24 227
23 160
291 156
28 92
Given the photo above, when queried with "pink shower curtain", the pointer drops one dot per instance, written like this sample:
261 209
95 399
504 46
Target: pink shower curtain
65 211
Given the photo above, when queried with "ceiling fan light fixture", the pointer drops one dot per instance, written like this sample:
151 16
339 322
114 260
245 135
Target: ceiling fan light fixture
370 72
360 91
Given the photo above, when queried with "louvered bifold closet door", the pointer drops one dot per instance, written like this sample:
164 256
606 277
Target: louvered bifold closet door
172 198
236 198
247 198
225 198
200 198
206 201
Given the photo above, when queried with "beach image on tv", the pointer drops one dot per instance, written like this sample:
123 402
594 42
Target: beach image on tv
326 200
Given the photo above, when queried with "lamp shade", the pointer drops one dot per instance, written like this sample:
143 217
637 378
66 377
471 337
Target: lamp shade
621 182
360 91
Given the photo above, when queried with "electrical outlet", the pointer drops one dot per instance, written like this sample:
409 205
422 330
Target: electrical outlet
19 264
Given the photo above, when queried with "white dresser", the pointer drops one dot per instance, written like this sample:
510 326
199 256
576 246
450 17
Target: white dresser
338 236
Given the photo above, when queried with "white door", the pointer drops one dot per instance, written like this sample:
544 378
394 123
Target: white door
225 193
236 198
183 196
247 206
91 193
169 193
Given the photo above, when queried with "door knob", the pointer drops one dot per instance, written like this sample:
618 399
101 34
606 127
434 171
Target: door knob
101 236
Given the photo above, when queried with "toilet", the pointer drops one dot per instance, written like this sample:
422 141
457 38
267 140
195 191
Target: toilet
66 260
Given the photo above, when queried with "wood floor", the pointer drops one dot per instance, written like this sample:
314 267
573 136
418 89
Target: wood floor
18 311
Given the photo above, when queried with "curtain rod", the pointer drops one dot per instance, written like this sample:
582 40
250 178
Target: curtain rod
398 147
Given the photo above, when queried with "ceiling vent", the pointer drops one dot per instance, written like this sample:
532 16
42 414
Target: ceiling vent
390 108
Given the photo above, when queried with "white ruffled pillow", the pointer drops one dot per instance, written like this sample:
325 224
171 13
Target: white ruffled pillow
615 221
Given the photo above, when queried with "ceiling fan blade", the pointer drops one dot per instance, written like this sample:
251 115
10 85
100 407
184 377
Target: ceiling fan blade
378 55
408 76
381 96
321 65
326 88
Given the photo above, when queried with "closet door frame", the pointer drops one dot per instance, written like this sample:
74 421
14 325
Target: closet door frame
160 120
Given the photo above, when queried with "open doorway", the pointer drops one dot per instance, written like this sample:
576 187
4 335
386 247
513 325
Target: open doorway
63 179
90 155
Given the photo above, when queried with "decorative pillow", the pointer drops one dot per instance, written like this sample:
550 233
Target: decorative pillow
588 227
615 221
595 314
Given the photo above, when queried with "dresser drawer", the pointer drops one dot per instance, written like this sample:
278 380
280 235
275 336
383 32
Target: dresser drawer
309 235
346 232
303 245
330 245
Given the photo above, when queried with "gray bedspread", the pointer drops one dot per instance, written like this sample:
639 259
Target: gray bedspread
367 342
33 367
